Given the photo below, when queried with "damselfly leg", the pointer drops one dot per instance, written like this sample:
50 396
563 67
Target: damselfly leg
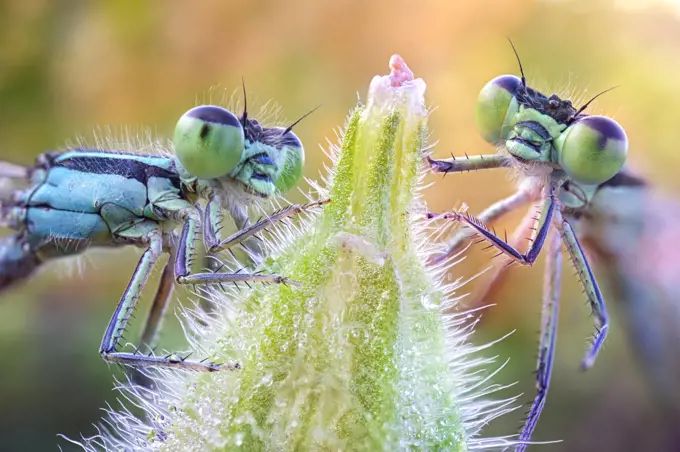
467 163
590 288
490 214
215 245
543 223
121 316
546 346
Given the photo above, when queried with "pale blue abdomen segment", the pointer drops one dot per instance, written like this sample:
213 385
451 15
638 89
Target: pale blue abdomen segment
76 191
47 223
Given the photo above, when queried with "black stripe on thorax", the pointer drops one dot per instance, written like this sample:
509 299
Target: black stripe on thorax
128 168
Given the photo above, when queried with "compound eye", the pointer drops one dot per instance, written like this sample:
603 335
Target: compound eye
493 103
209 141
293 162
593 149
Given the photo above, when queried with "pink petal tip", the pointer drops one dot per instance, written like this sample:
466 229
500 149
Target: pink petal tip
399 71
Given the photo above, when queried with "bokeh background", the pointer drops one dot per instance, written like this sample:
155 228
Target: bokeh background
68 67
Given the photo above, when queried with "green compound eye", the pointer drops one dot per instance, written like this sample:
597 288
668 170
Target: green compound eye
291 171
209 141
593 149
495 102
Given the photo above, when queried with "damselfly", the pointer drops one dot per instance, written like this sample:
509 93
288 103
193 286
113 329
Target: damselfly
81 198
561 156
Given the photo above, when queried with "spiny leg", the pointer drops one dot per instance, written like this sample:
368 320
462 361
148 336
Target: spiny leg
543 220
213 224
590 288
210 262
186 252
261 225
154 319
546 346
467 163
491 213
121 316
499 266
159 305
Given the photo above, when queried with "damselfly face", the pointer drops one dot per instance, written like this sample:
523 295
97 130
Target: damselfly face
535 128
211 143
272 160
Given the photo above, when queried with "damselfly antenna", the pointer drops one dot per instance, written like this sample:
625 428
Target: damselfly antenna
245 104
580 110
290 127
524 79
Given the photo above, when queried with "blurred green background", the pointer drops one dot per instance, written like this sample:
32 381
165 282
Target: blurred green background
68 67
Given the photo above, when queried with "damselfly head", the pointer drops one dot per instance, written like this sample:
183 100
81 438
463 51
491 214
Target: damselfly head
211 142
540 129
